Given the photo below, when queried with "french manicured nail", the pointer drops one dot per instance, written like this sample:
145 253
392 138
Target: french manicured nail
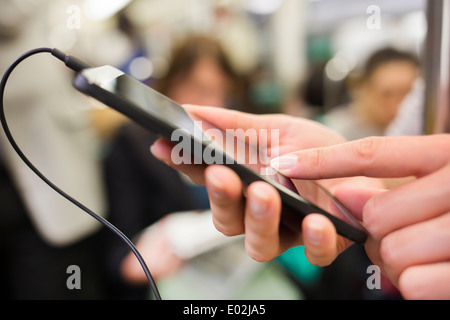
284 163
314 233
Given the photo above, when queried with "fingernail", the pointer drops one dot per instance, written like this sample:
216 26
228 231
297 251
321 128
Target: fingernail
284 163
216 186
314 233
258 203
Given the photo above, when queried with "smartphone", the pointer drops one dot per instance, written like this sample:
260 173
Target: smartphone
169 120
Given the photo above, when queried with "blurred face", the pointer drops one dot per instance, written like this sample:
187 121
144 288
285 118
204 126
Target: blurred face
383 92
205 85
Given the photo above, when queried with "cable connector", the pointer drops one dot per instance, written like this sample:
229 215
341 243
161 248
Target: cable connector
70 61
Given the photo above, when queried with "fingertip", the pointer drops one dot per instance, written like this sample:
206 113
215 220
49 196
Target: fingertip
262 220
318 230
285 164
161 150
263 199
320 239
227 204
221 181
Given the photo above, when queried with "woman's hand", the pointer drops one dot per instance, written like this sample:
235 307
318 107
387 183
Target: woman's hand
410 224
258 214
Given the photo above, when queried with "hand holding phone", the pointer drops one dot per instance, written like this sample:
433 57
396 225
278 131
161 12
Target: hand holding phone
163 116
268 234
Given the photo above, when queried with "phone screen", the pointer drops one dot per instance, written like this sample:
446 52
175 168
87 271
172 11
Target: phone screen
218 145
150 101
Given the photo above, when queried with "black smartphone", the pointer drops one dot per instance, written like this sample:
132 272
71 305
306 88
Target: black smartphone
169 120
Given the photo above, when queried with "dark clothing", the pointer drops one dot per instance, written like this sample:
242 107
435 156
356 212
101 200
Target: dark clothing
32 269
141 190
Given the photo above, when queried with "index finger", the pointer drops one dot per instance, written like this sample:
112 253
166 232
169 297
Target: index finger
379 157
226 118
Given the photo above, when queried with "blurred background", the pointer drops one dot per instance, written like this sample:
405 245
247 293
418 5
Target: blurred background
350 64
278 43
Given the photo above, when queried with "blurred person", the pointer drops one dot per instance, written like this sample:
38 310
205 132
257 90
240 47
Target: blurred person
41 233
141 190
200 70
387 78
309 99
237 33
381 90
410 115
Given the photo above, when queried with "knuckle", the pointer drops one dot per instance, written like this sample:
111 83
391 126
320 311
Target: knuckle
220 201
318 260
371 218
366 149
256 254
318 158
227 229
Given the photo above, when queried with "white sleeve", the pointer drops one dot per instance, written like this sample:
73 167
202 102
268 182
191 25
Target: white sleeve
410 117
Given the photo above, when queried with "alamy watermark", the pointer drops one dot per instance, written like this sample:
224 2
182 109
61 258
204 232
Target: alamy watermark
254 147
73 281
73 21
373 22
374 280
